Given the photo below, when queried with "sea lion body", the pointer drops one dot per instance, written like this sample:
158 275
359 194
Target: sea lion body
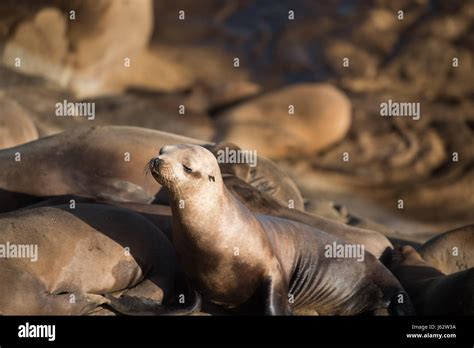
68 163
159 215
452 251
261 203
82 253
432 292
293 115
233 256
105 163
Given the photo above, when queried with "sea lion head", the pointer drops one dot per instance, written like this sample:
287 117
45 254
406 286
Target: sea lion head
184 166
404 256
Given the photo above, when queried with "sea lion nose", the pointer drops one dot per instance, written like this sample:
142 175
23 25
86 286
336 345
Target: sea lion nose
156 162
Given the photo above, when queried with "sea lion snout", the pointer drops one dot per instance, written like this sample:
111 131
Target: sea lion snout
403 256
156 165
406 250
165 156
156 162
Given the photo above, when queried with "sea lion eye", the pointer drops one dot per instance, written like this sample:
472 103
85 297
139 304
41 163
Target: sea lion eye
187 169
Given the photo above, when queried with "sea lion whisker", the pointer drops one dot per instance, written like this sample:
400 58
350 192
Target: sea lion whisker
147 175
147 167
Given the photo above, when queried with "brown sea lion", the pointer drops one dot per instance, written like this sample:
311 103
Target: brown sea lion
159 215
103 162
68 163
432 292
304 118
235 257
71 257
452 251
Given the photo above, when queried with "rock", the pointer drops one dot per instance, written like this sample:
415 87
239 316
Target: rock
360 62
104 34
135 108
322 117
103 50
39 46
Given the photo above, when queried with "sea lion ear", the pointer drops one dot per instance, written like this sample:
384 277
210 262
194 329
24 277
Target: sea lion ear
211 178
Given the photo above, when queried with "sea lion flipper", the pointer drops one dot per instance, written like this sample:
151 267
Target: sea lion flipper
131 305
134 305
123 191
74 303
275 299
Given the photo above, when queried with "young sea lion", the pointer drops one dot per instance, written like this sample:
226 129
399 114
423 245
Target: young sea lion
234 256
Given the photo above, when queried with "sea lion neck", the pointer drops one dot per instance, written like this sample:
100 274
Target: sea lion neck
200 200
215 206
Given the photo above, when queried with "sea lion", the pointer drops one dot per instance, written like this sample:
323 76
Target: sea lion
304 118
159 215
452 251
234 256
81 254
262 203
16 126
432 292
67 163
